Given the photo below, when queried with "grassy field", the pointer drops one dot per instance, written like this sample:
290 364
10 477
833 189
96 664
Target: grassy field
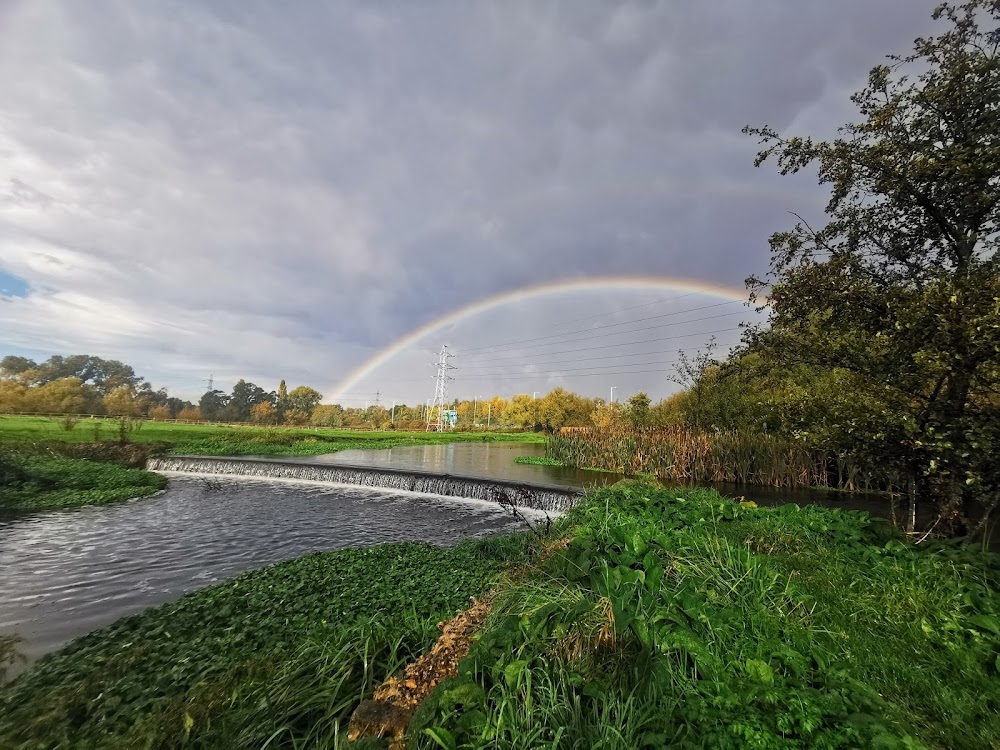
655 618
236 441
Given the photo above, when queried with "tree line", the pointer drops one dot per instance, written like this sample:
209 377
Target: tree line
85 384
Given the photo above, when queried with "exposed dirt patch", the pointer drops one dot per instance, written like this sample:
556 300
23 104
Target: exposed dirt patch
389 712
392 706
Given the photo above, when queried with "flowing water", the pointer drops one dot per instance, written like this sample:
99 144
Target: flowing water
537 496
495 461
65 573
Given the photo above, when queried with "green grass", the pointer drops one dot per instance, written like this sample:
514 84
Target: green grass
280 654
680 618
197 439
673 617
41 482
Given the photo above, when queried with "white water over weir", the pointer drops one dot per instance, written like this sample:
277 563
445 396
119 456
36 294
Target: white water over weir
537 496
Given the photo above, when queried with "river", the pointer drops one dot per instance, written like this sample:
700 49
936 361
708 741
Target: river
68 572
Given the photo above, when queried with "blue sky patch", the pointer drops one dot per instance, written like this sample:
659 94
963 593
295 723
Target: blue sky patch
12 286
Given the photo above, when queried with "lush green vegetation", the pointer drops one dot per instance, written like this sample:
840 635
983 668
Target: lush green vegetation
682 618
537 461
189 437
278 655
43 482
663 617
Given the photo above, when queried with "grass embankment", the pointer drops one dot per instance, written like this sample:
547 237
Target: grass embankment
42 482
281 654
671 618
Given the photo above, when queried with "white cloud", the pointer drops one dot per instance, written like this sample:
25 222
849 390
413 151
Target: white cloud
258 189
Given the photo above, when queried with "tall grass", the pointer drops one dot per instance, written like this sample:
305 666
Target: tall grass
680 454
680 619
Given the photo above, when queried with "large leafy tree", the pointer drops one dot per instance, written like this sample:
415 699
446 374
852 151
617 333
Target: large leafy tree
899 287
246 396
304 399
104 374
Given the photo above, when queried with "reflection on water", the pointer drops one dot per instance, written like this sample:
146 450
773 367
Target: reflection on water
496 461
65 573
483 460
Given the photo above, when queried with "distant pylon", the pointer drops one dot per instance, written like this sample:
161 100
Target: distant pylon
211 382
440 390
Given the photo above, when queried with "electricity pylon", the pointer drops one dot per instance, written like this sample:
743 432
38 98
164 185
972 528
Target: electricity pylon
440 390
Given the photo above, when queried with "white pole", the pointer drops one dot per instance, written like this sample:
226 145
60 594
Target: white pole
489 414
392 414
612 394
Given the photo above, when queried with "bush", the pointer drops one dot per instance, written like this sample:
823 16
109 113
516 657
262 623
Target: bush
160 413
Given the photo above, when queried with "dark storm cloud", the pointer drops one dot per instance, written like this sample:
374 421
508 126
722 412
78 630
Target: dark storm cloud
252 183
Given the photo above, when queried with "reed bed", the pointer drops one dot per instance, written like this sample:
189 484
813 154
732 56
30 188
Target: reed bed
681 454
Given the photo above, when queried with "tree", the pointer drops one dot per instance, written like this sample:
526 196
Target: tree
246 396
523 411
638 410
211 405
190 414
264 413
304 399
607 417
121 402
13 396
328 415
160 413
900 286
11 366
690 374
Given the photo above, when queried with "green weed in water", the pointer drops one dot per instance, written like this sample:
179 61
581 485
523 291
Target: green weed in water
276 657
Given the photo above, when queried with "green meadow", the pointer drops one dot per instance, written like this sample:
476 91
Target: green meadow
210 439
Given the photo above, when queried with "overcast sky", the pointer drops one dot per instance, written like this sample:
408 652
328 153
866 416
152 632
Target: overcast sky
267 190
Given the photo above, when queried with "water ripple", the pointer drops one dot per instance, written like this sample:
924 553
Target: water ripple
66 573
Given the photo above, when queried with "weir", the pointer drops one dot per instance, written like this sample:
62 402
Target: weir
538 496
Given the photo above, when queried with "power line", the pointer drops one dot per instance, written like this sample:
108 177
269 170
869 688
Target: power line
606 356
580 369
619 333
610 325
627 343
585 375
608 346
646 304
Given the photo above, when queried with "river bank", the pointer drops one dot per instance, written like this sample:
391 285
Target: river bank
670 615
32 482
47 463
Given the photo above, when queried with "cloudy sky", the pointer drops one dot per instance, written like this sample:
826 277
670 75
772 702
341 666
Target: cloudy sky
267 190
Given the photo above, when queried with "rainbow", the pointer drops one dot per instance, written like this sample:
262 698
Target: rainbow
599 283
